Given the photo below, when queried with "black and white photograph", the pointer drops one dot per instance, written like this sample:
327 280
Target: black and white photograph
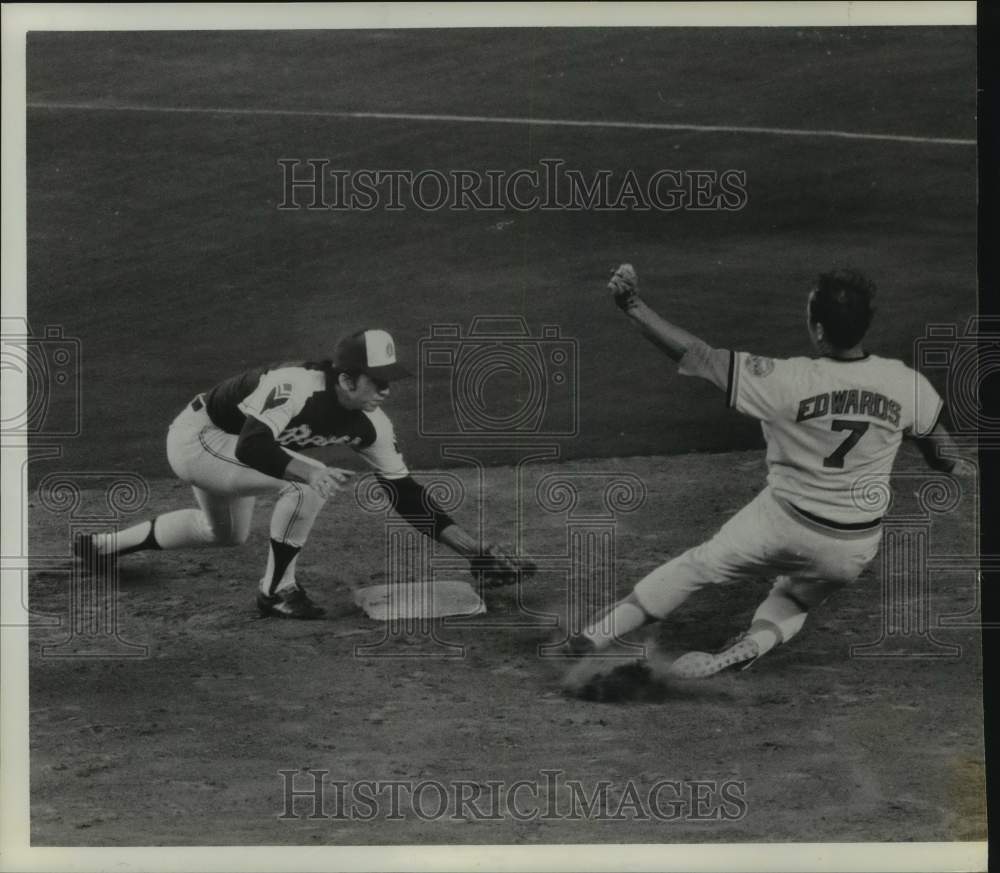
483 436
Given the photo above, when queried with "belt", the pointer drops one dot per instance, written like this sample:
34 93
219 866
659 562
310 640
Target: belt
198 404
838 525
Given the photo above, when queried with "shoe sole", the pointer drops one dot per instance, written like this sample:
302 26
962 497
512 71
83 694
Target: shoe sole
266 610
274 613
87 561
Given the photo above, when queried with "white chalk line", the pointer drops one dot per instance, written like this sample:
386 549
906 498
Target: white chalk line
487 119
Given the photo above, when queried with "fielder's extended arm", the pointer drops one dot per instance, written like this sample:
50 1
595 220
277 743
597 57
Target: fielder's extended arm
412 501
695 356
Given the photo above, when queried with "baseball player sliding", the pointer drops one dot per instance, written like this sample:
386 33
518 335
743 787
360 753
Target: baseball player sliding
831 424
237 441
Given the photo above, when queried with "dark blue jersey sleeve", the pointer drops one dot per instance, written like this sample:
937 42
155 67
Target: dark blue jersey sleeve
257 448
410 499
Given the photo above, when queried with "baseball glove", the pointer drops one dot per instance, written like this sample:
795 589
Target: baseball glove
499 567
624 286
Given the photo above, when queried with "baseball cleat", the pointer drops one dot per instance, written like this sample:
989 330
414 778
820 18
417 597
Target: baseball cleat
86 556
576 646
579 646
83 547
291 603
701 665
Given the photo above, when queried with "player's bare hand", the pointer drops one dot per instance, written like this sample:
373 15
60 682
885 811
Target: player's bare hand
624 287
328 480
964 469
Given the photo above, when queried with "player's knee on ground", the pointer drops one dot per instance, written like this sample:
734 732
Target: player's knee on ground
227 535
191 528
231 538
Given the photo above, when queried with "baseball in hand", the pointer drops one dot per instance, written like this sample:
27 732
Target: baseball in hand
627 273
624 285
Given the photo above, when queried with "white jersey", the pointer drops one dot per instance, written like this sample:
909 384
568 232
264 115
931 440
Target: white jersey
302 411
833 427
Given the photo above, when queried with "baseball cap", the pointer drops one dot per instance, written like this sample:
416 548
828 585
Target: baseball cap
372 352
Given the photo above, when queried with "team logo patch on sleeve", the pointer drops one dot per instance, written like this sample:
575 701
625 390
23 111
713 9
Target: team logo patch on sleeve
758 365
279 395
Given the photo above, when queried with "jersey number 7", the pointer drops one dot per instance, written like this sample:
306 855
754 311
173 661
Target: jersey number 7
857 430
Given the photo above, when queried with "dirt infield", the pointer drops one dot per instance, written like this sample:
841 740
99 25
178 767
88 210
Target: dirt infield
186 744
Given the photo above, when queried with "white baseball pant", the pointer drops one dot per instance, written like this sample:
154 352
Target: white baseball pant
205 456
766 538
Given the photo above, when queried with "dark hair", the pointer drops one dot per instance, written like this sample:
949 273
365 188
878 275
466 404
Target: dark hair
843 305
331 370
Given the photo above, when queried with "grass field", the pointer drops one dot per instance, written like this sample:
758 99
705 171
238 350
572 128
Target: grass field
155 239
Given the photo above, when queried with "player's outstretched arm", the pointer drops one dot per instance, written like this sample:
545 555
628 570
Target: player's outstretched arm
940 452
412 501
700 358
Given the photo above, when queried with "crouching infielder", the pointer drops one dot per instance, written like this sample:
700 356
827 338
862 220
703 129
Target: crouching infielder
237 441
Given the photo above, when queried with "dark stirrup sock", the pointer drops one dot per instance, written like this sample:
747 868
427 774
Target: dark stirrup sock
284 554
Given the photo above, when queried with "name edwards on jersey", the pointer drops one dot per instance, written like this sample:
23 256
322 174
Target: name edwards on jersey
850 401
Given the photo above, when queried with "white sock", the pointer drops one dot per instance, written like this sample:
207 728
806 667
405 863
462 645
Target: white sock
173 530
122 540
623 617
777 620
